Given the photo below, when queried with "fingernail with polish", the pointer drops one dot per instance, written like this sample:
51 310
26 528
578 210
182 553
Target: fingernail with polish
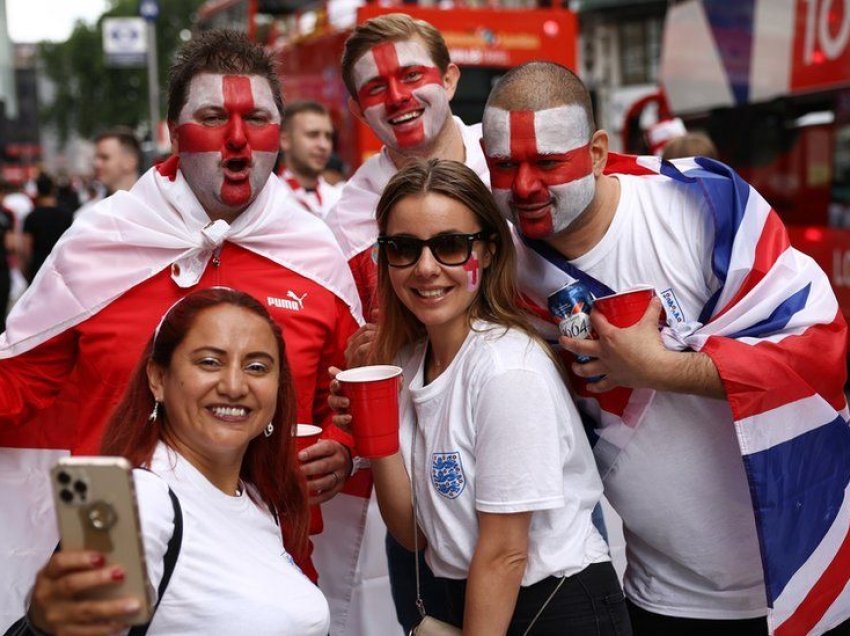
117 574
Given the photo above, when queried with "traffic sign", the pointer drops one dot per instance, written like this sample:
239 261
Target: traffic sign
124 41
149 9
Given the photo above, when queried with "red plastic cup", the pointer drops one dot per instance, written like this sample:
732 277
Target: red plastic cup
625 308
373 394
306 435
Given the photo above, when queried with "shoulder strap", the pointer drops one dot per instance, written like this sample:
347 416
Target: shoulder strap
170 560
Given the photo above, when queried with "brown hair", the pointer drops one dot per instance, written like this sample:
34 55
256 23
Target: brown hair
392 27
269 464
222 52
690 145
498 292
126 139
303 106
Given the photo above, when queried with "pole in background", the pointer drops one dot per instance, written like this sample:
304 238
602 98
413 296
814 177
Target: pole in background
149 10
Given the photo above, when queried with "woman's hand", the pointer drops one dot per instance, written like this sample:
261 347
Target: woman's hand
56 606
326 465
359 345
339 403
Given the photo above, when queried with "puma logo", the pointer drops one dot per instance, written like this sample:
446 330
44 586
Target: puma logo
293 301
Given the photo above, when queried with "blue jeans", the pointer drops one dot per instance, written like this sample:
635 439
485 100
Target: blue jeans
589 603
403 586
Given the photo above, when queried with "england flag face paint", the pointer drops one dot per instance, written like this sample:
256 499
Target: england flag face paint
227 136
401 94
540 166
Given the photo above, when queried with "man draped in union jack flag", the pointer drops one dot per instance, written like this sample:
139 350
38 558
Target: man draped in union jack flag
723 438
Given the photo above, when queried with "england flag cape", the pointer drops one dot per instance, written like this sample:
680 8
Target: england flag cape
130 237
352 220
164 224
776 334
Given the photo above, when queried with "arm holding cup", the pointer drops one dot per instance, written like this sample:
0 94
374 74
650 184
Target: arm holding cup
635 357
392 483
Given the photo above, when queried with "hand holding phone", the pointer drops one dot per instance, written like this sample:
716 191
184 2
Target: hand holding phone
100 573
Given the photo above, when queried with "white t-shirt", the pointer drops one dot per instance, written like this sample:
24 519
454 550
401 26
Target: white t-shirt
233 575
679 484
497 432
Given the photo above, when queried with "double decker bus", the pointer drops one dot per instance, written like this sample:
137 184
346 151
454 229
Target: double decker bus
769 81
484 41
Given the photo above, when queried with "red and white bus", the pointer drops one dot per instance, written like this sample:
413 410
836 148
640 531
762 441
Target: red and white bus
769 81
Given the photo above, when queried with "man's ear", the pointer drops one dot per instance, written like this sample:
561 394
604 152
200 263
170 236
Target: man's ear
284 140
450 79
599 152
355 110
172 133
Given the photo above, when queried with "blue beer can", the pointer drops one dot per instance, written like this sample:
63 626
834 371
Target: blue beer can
571 304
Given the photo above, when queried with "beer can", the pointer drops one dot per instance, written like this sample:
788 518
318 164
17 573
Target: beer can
572 304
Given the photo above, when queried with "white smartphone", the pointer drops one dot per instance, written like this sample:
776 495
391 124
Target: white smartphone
96 510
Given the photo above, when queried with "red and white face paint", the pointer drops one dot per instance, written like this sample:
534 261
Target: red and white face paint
401 94
472 267
227 137
540 166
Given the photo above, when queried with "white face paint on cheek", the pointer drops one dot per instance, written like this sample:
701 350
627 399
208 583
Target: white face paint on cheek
376 118
503 202
570 200
203 174
436 102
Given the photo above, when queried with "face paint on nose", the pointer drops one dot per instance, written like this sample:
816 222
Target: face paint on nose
401 93
540 166
228 136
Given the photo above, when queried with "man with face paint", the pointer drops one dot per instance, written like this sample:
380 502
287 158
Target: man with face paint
400 80
667 410
213 214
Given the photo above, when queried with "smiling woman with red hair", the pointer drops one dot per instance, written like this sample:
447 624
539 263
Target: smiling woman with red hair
209 412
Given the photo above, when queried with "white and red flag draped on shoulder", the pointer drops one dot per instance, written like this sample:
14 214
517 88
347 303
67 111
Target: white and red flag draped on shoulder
777 336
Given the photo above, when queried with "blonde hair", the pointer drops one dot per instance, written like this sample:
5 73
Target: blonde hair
690 145
497 294
392 27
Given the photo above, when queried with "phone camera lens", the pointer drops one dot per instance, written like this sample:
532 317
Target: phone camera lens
66 495
80 487
63 478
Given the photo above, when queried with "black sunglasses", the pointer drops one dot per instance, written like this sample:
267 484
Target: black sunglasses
447 249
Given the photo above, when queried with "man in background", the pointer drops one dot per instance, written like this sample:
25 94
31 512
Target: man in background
43 227
306 141
117 159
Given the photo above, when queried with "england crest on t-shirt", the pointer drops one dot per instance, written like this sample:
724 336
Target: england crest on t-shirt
447 474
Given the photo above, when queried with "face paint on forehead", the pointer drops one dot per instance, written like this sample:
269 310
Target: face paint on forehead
238 96
552 130
387 59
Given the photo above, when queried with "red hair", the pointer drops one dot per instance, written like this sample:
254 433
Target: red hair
270 464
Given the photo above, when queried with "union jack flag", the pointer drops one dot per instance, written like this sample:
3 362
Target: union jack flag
779 341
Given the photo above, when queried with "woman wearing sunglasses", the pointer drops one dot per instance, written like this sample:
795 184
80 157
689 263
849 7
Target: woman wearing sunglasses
503 474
